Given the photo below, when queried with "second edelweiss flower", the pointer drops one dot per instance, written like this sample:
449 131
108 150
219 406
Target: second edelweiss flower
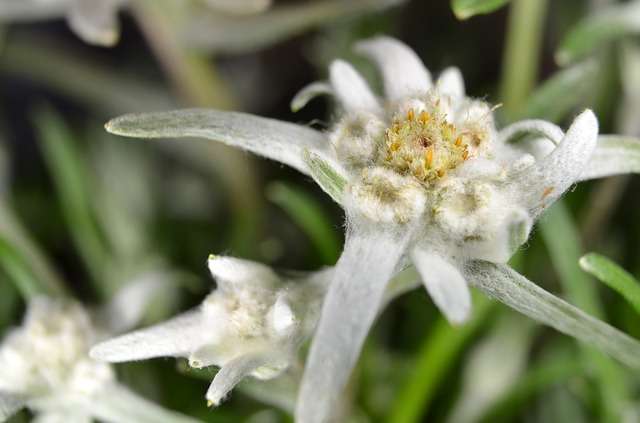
252 324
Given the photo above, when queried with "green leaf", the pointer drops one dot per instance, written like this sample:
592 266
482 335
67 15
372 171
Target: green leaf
15 236
613 276
539 378
511 288
308 214
612 23
465 9
437 356
564 244
563 241
329 179
561 93
19 272
72 182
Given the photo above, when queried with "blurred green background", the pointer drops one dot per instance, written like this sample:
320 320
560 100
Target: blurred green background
102 208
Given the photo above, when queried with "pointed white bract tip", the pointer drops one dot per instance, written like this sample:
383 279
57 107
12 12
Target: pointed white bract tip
283 319
587 121
351 89
445 284
230 271
451 82
105 351
403 72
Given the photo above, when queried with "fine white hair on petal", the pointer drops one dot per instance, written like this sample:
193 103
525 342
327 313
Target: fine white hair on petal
367 264
451 82
231 272
95 21
544 182
351 89
444 283
308 93
614 155
537 127
403 72
231 374
10 404
273 139
174 338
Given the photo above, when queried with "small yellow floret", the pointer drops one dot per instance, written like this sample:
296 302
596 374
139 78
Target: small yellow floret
426 147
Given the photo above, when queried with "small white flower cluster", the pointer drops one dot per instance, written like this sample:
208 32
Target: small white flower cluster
46 367
96 21
48 353
252 324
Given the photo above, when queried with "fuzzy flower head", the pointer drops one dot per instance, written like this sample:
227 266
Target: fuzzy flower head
252 324
430 156
46 365
48 353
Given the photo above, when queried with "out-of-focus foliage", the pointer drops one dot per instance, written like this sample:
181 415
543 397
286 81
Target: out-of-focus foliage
465 9
614 276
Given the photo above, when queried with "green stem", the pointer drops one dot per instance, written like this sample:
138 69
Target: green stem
437 356
522 52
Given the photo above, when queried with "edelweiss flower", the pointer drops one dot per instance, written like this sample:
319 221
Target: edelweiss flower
46 367
252 324
96 21
424 178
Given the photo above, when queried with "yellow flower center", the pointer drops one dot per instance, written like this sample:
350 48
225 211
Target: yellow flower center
424 145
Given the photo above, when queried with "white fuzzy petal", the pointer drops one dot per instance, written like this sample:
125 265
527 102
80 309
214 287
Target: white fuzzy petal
273 139
95 21
540 128
176 337
350 307
445 285
282 318
308 93
61 417
29 10
403 72
351 89
230 375
130 303
451 82
119 404
239 7
10 404
504 284
231 272
543 183
614 155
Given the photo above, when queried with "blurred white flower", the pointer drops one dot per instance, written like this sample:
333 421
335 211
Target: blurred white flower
253 324
46 367
96 21
426 179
